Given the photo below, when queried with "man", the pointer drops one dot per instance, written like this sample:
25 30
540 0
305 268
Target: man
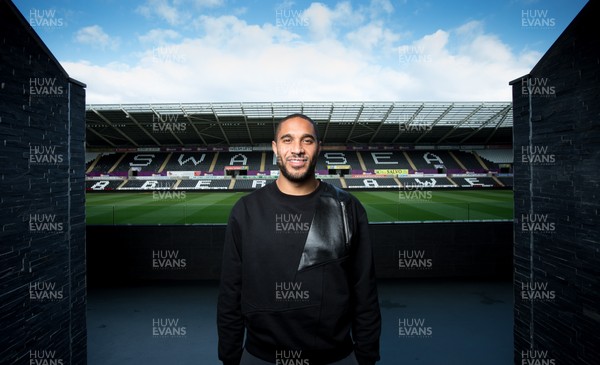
297 276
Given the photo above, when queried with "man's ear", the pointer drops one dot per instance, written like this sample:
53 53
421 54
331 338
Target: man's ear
274 147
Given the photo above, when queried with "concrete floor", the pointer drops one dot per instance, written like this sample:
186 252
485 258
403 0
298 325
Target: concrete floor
455 322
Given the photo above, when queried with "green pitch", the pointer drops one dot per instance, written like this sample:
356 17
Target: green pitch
179 207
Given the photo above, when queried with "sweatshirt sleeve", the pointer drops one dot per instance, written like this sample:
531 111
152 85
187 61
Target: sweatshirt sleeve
230 323
366 325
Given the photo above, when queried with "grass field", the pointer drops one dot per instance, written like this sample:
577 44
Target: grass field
180 207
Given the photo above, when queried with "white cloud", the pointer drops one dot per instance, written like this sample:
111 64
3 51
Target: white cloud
239 11
381 6
326 23
479 69
164 11
159 36
237 61
373 35
175 12
96 37
472 27
319 19
209 3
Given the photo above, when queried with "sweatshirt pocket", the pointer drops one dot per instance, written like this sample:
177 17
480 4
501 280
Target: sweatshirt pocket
291 329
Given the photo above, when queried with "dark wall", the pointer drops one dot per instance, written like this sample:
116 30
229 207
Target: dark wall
42 250
557 200
125 254
477 250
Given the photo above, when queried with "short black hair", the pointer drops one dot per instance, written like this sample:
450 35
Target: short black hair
297 115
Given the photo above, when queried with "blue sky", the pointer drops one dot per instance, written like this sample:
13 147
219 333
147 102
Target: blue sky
231 50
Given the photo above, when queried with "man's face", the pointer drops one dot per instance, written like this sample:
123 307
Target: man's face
297 149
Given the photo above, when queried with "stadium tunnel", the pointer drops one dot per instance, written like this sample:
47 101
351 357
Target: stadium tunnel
91 298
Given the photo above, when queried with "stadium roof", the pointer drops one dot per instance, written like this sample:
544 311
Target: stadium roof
339 123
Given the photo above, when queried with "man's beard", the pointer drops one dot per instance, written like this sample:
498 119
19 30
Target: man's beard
298 177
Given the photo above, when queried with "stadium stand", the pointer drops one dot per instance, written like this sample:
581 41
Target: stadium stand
392 141
371 183
448 161
189 161
335 181
251 160
409 167
497 156
204 184
482 182
328 158
100 185
468 161
251 184
420 161
425 182
89 158
376 160
506 180
426 161
145 162
105 163
163 184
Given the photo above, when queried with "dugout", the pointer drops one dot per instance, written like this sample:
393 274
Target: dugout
234 171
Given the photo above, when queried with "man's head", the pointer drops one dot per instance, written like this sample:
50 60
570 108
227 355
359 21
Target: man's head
296 147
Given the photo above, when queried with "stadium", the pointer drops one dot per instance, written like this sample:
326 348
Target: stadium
483 215
417 152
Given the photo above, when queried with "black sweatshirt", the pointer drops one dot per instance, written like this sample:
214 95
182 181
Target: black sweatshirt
298 279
